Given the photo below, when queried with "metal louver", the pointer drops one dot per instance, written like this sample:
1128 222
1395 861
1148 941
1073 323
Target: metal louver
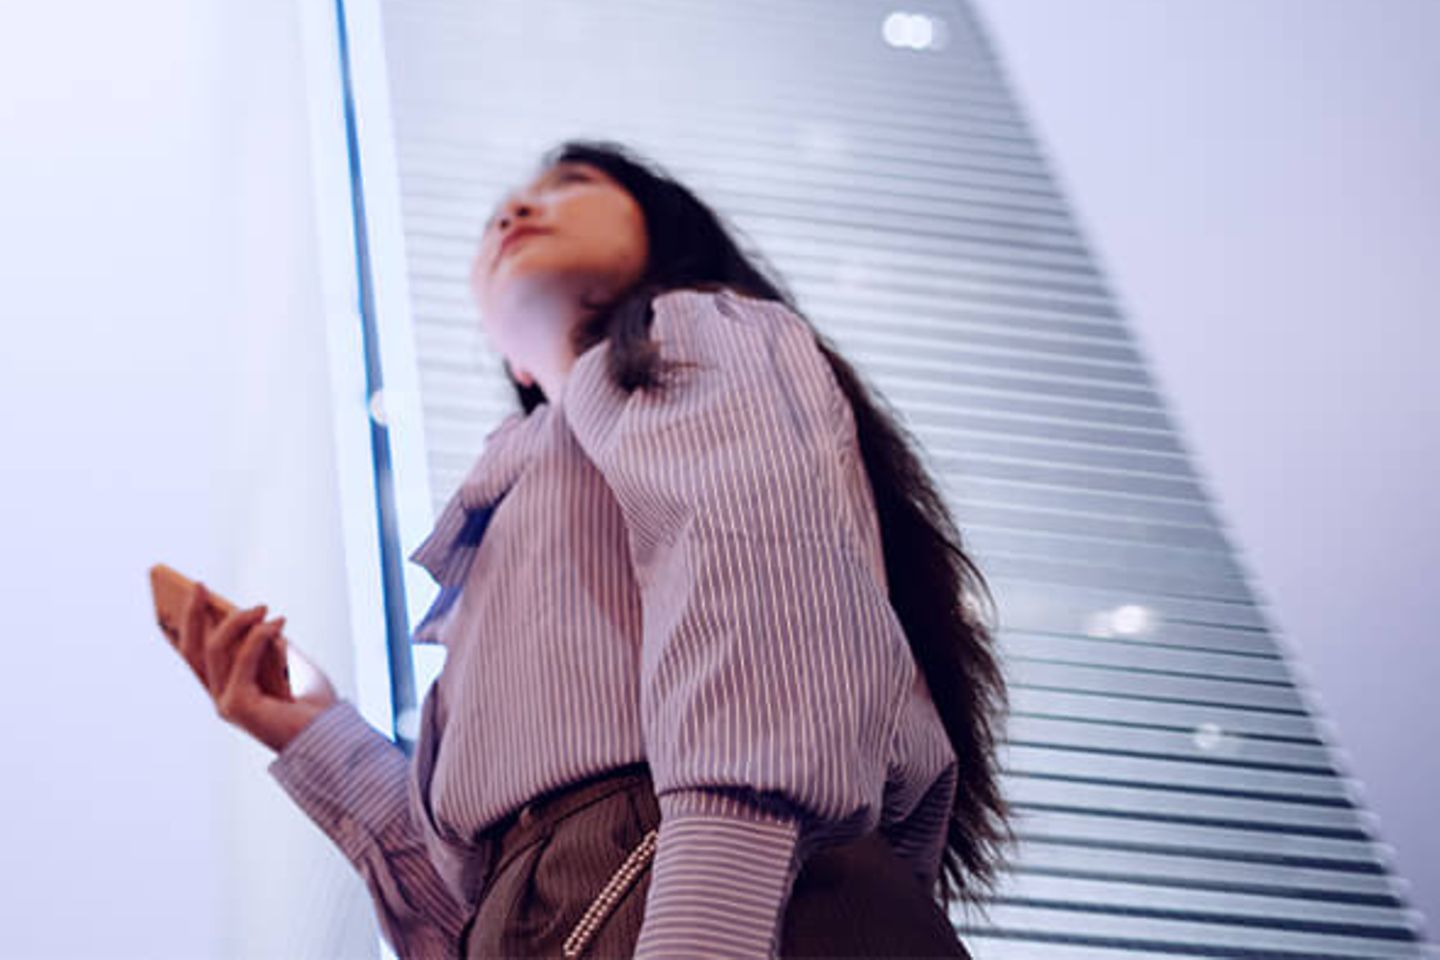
1175 794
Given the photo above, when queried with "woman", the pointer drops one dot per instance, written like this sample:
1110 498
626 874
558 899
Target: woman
714 683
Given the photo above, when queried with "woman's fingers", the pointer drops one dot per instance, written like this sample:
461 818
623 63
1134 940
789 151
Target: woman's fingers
243 681
220 646
227 659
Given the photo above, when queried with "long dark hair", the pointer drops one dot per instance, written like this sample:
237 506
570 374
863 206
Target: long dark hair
932 580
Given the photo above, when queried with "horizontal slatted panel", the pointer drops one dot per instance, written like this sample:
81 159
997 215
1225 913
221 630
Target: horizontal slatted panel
1174 792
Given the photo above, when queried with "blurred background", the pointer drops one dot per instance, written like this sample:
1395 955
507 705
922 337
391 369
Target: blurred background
1152 280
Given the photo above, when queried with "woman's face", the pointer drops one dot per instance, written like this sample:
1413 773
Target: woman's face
588 243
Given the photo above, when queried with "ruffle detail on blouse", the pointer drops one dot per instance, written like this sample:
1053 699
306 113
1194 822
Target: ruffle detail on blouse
450 548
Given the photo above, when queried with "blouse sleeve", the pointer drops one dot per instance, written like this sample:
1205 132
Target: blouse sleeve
772 668
353 782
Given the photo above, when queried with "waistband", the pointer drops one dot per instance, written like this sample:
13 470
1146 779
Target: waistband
509 836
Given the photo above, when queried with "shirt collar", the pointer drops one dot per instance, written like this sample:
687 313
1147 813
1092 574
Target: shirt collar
452 543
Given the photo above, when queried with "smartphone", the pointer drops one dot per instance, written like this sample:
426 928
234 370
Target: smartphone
172 589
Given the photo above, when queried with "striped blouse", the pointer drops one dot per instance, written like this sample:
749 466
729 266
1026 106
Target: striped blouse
692 578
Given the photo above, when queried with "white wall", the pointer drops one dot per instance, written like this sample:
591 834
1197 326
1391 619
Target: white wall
164 396
1259 180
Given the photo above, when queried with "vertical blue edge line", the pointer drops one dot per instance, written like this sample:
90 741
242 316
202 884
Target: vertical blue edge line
397 637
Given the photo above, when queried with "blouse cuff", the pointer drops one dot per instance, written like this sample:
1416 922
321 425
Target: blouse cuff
724 868
347 777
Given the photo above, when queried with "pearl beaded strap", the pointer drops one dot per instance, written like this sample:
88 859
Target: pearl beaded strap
610 895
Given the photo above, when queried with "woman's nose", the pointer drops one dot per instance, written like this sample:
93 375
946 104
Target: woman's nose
515 210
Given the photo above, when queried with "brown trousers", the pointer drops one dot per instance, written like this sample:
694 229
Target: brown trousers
553 859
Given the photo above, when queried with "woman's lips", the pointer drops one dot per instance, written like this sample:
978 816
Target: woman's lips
516 237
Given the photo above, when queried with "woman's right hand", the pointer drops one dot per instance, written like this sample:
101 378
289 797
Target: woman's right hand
226 660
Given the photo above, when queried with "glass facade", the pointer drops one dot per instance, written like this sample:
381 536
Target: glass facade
1176 793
